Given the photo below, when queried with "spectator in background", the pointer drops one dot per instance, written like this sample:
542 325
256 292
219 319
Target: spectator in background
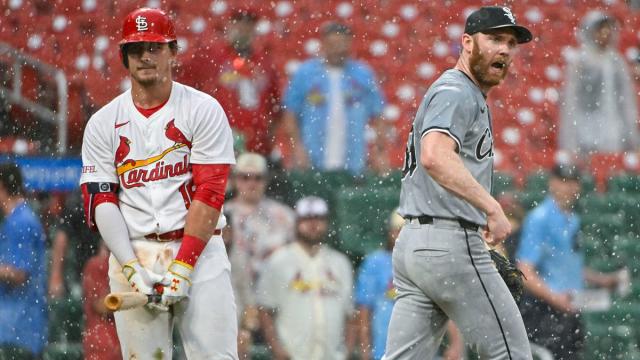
374 296
242 290
241 76
23 284
554 268
261 225
599 109
99 340
73 244
328 105
304 292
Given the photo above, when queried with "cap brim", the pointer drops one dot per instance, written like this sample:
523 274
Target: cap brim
142 37
523 35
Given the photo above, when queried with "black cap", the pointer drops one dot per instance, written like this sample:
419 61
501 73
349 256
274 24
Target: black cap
496 17
566 172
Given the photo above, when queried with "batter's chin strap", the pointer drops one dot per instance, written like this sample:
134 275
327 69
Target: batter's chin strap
94 194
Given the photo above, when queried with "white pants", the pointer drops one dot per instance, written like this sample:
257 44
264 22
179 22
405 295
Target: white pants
206 320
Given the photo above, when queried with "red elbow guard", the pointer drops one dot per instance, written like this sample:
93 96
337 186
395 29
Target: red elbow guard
95 194
210 181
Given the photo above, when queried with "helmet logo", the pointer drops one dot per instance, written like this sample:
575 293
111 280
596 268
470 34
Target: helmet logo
509 14
141 23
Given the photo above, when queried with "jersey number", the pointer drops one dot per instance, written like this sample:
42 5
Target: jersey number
186 190
409 157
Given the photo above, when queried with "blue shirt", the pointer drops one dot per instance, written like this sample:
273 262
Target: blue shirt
375 291
548 241
307 97
23 308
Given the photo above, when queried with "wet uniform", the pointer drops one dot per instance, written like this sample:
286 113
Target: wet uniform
441 267
150 159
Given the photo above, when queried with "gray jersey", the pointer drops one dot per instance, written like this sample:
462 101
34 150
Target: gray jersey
453 105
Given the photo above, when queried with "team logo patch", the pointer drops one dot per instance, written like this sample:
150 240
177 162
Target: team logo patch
484 147
141 23
509 14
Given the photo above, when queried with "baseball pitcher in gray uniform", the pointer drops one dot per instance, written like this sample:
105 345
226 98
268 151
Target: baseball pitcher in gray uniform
441 267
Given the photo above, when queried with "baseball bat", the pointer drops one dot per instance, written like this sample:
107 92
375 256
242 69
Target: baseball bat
128 300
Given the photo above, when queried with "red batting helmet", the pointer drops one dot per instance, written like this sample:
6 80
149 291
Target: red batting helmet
149 25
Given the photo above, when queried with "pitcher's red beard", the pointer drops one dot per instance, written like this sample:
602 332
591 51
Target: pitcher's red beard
488 73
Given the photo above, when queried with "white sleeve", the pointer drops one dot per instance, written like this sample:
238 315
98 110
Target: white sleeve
97 155
212 137
114 232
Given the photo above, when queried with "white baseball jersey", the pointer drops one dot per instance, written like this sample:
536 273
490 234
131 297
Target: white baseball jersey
313 299
150 157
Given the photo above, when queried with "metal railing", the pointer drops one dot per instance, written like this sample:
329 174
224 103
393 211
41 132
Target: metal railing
18 60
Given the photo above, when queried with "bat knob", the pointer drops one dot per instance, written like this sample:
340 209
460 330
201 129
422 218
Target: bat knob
112 302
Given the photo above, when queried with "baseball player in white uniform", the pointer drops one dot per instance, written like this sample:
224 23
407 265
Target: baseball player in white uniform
155 165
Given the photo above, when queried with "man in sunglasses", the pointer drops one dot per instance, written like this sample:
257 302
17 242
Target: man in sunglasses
155 166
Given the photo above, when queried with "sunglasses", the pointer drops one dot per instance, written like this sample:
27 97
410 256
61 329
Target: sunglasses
247 177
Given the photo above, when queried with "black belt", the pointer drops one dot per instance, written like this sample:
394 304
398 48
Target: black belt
427 220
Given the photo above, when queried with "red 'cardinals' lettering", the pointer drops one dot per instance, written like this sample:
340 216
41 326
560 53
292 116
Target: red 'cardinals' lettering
137 177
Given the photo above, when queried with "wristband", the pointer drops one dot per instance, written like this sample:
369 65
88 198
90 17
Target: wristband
190 250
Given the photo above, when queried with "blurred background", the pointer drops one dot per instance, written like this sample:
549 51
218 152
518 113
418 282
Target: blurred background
60 63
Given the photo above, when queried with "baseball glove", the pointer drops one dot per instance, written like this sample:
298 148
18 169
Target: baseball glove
512 276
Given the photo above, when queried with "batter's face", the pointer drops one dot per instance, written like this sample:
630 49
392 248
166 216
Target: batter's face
150 63
251 186
491 56
312 230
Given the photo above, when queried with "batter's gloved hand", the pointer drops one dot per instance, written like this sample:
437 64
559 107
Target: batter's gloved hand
176 282
143 281
139 278
512 276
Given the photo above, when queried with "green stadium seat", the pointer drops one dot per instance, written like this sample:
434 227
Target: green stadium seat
612 334
63 351
588 184
392 180
604 226
65 320
362 214
323 184
625 183
529 200
537 182
502 183
594 203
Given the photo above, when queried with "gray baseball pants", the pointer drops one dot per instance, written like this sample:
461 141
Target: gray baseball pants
442 271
